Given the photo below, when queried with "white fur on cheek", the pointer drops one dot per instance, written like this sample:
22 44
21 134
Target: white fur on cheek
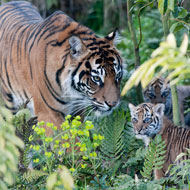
144 138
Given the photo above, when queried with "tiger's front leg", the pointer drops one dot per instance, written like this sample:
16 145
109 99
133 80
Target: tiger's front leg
158 174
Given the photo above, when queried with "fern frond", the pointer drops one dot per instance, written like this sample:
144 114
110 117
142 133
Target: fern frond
154 158
113 130
33 175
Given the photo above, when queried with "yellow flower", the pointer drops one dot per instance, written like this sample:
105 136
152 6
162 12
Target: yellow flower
55 146
36 160
36 148
78 117
60 153
95 145
30 138
48 154
66 145
93 154
48 139
85 158
68 117
89 125
39 131
65 137
65 125
83 149
86 133
80 132
57 141
41 123
78 144
49 124
73 131
44 169
100 137
76 123
54 128
83 165
95 137
72 169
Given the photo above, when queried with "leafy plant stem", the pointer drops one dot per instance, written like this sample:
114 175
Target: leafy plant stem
135 43
175 107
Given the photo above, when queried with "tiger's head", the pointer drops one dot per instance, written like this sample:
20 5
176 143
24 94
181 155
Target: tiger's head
89 72
147 120
158 91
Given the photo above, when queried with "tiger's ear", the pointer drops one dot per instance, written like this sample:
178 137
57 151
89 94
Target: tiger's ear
113 37
77 48
132 108
159 108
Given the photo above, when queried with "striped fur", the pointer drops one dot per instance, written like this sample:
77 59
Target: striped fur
148 120
60 65
158 91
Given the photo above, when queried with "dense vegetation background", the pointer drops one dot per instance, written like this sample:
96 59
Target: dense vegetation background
110 156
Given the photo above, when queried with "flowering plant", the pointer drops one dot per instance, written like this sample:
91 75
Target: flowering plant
74 145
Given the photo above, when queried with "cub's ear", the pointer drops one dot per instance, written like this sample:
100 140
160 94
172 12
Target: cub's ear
159 109
132 108
113 37
77 48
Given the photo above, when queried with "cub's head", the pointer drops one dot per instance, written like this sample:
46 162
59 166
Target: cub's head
146 119
158 91
97 71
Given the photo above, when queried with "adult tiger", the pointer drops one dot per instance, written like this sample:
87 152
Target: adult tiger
62 66
148 120
158 91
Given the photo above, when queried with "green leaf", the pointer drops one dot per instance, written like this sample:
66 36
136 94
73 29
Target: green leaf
171 4
182 13
161 6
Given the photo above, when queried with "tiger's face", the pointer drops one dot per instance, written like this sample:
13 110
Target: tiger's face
92 74
146 119
158 91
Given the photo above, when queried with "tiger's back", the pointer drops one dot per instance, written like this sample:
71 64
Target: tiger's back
54 61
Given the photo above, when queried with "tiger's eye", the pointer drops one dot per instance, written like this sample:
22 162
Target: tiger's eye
96 78
134 120
147 120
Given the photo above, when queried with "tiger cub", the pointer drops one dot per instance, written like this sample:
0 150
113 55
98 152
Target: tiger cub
148 120
57 63
158 91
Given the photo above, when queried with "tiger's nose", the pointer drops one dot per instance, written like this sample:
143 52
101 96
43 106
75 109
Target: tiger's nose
111 104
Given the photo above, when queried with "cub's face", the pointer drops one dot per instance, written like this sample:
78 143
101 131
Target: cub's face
98 73
146 119
158 91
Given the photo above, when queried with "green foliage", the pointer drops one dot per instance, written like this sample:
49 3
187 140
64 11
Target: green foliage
154 158
113 131
179 174
126 182
168 58
9 145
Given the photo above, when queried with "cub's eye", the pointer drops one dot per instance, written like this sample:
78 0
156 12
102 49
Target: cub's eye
151 95
96 78
134 120
147 120
164 94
